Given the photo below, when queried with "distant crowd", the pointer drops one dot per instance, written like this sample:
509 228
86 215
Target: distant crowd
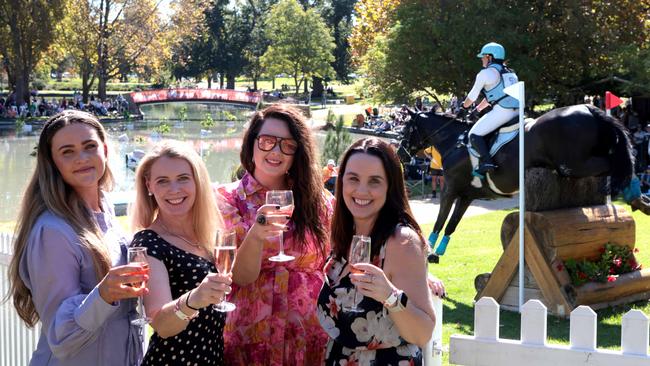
45 107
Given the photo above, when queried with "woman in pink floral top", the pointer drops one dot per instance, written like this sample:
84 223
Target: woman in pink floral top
275 322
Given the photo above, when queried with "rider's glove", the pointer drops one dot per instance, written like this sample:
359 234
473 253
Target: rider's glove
462 113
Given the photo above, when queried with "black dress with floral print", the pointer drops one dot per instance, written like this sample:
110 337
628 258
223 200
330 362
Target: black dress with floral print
368 337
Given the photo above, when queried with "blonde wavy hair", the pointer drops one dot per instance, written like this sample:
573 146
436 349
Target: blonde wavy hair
206 219
47 191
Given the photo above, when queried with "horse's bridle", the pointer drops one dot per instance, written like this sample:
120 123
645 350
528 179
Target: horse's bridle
414 129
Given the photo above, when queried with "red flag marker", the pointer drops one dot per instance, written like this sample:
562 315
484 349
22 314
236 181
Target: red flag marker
611 100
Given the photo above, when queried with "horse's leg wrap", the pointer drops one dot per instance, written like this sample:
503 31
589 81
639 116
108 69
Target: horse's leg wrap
442 247
633 191
433 238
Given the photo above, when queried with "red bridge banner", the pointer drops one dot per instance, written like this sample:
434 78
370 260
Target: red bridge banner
172 95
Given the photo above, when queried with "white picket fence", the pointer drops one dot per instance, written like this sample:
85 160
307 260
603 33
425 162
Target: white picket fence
17 342
486 348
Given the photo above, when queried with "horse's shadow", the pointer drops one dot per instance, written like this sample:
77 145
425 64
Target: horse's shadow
608 335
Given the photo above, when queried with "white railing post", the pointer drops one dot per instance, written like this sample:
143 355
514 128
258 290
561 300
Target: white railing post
533 323
634 333
432 353
582 332
486 319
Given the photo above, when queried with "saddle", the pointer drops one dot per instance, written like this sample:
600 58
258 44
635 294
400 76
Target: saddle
495 139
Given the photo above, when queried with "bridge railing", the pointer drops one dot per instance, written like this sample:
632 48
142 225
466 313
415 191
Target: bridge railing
486 348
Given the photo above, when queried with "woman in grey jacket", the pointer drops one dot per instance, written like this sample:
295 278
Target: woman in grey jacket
69 266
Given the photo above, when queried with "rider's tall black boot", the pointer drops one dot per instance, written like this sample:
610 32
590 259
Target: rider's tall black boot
485 160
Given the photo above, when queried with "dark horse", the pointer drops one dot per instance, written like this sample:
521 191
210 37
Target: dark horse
577 141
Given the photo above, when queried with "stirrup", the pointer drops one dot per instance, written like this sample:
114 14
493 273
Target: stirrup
485 168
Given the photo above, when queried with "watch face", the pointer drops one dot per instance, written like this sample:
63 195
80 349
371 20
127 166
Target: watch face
403 299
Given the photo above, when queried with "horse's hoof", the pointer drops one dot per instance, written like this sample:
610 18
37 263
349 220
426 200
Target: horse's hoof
640 204
433 258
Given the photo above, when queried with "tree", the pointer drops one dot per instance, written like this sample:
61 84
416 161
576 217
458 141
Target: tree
301 43
79 39
336 141
230 33
558 48
126 29
373 18
191 46
256 10
26 31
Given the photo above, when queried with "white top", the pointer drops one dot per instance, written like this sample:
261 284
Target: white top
486 79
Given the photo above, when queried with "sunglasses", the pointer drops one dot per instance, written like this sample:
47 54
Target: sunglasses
288 145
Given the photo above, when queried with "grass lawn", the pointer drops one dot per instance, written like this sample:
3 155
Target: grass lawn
475 248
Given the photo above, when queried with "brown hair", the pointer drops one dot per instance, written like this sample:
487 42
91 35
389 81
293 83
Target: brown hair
47 191
304 176
206 218
396 209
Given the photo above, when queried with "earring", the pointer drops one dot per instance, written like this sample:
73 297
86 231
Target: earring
150 194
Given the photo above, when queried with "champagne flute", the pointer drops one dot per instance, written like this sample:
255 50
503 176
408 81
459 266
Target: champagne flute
139 255
359 253
225 251
284 199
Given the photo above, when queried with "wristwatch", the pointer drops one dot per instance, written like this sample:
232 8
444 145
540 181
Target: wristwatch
396 301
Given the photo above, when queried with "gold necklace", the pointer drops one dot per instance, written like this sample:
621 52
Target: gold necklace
197 246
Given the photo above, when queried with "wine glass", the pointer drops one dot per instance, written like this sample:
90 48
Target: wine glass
224 258
284 199
359 253
139 255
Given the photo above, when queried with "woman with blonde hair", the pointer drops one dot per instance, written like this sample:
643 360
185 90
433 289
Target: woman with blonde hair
69 267
176 213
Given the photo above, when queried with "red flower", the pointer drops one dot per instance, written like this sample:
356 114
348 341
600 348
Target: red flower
559 266
582 275
617 262
611 278
611 270
602 250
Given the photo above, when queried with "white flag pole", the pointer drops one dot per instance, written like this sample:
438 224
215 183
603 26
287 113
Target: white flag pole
518 91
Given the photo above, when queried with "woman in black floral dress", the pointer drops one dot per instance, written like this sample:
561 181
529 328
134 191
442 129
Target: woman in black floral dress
177 211
397 316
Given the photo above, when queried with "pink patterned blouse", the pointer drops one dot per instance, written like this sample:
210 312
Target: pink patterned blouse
275 322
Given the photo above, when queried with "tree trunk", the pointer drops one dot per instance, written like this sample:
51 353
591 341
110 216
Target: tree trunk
22 87
273 83
230 84
209 82
255 84
221 80
101 87
306 86
317 87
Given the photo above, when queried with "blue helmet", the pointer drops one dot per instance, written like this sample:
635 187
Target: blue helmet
496 50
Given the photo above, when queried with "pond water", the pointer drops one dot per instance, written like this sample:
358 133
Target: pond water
219 146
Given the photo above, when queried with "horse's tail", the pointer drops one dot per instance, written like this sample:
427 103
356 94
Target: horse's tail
620 150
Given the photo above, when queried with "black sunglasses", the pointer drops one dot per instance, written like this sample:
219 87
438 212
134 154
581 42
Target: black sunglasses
288 145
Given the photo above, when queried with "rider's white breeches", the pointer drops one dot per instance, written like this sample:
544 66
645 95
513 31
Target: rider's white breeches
493 120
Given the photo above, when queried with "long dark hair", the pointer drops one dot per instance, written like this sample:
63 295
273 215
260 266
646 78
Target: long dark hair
396 210
47 191
305 176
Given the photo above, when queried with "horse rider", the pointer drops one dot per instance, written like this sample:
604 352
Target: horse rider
491 80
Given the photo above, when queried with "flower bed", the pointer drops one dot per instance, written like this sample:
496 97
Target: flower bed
615 260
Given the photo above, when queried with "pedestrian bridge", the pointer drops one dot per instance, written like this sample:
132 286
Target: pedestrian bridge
224 96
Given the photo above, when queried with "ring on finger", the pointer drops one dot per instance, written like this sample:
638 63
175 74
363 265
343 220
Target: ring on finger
261 219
